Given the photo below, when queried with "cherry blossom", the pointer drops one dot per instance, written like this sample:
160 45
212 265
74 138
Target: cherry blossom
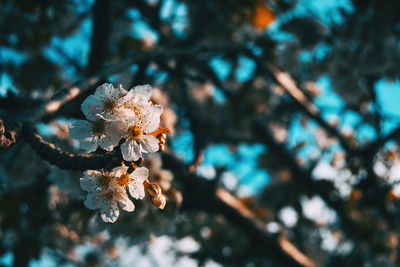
107 102
107 190
91 135
137 132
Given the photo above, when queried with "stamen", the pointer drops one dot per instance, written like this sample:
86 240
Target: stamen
109 105
105 180
124 179
134 132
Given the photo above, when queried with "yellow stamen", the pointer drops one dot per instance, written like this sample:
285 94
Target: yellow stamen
124 180
134 132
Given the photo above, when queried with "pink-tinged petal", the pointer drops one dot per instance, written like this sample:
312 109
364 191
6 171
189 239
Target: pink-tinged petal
140 174
143 90
130 150
89 144
136 190
80 129
149 143
124 202
118 171
125 113
92 201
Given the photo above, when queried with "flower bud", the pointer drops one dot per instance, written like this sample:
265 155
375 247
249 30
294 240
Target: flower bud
153 189
160 202
162 147
162 141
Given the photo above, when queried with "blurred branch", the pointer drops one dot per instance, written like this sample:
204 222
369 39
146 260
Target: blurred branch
307 106
101 30
303 178
222 202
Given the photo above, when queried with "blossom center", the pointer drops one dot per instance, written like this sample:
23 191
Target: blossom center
98 127
105 180
134 132
109 105
124 180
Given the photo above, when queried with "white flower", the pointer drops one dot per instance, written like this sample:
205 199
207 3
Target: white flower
91 134
106 190
140 93
107 102
133 181
137 132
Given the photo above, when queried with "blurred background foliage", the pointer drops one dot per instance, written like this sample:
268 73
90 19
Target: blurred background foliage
285 120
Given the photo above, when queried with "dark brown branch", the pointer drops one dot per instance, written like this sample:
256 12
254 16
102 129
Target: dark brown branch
60 158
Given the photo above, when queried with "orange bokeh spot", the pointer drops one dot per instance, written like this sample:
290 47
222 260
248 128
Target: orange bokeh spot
263 15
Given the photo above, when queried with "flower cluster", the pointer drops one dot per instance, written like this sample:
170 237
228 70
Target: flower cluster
114 115
107 189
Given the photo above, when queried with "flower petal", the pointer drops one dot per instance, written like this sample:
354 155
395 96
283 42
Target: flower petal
92 201
149 143
108 142
92 106
105 91
124 202
130 150
90 181
110 212
140 174
116 129
150 119
118 171
143 91
89 144
136 190
80 129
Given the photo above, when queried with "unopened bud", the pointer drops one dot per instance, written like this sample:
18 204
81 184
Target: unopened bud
162 147
160 202
163 136
153 189
162 141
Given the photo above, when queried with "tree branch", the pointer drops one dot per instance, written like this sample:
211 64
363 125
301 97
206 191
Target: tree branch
62 159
